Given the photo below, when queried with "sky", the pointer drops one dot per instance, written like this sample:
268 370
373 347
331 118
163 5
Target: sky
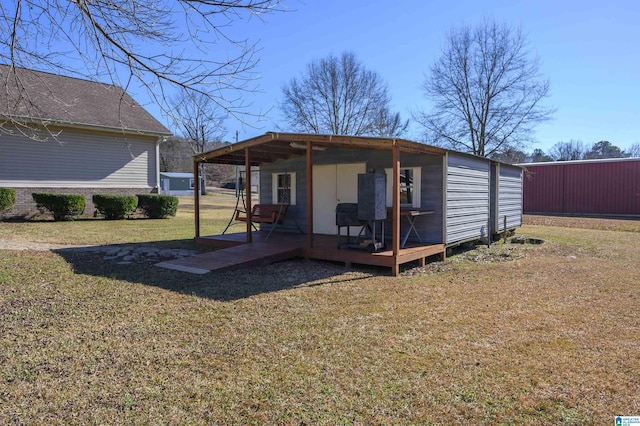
589 50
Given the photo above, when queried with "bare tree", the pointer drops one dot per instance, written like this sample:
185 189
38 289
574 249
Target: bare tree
389 125
146 43
200 121
634 150
511 156
486 90
176 155
339 96
566 151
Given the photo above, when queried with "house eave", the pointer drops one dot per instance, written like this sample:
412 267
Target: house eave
44 123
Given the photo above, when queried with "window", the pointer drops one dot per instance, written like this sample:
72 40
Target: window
191 183
284 188
409 187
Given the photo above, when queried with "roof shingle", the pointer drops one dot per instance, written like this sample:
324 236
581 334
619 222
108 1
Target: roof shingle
36 96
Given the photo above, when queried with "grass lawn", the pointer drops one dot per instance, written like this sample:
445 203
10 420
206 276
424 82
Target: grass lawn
533 334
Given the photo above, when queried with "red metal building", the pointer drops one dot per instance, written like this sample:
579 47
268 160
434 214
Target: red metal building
589 187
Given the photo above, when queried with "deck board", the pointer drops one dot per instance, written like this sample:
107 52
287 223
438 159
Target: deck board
234 252
241 256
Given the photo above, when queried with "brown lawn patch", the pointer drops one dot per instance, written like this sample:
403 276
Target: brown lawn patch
548 337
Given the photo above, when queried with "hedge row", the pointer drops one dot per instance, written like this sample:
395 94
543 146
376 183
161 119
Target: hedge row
62 206
157 206
7 198
111 206
115 206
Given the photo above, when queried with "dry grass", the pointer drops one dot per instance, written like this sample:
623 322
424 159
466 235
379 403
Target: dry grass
215 213
548 337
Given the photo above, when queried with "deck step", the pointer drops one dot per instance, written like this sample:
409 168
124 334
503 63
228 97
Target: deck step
245 255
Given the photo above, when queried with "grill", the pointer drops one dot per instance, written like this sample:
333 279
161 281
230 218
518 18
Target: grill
347 215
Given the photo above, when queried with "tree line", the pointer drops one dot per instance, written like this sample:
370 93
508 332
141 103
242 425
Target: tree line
570 150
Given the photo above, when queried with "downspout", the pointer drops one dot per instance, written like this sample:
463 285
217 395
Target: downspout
157 185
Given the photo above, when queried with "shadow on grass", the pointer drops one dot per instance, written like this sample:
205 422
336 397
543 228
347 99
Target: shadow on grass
221 286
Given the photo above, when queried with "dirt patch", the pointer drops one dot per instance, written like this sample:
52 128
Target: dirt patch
465 254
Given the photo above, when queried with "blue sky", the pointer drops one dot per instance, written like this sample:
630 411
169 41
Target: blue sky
588 49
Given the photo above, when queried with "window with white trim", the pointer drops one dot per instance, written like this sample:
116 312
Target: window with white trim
190 183
409 187
284 188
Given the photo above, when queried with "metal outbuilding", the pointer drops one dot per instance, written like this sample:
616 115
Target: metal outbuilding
172 183
608 187
432 198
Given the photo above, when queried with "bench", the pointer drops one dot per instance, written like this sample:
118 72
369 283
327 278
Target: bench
265 213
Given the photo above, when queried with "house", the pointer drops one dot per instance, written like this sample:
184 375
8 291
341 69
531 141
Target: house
176 183
602 187
67 135
431 198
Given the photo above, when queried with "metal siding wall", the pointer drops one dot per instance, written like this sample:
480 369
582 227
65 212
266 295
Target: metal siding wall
598 188
602 188
543 189
467 198
78 159
509 197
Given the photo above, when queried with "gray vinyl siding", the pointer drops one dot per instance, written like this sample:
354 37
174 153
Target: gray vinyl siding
467 198
429 227
78 159
509 197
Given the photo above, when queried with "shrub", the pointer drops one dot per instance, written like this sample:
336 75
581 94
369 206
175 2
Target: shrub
62 206
155 206
114 206
7 198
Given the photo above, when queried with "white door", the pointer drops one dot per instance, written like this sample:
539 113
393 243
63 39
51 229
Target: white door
333 184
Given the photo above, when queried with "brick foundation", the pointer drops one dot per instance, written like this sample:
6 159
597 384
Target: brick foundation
25 207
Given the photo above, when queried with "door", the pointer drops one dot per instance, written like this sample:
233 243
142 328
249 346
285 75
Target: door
333 184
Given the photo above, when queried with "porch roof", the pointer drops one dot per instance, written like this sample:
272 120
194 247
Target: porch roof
273 146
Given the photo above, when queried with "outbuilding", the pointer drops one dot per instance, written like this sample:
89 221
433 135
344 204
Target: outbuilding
172 183
606 187
431 198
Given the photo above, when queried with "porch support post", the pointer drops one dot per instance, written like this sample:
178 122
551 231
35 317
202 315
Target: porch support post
196 196
396 200
309 195
247 189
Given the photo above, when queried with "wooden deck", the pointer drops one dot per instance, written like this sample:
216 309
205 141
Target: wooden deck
234 252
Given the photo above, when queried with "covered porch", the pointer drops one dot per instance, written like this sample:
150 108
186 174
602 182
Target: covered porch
306 241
